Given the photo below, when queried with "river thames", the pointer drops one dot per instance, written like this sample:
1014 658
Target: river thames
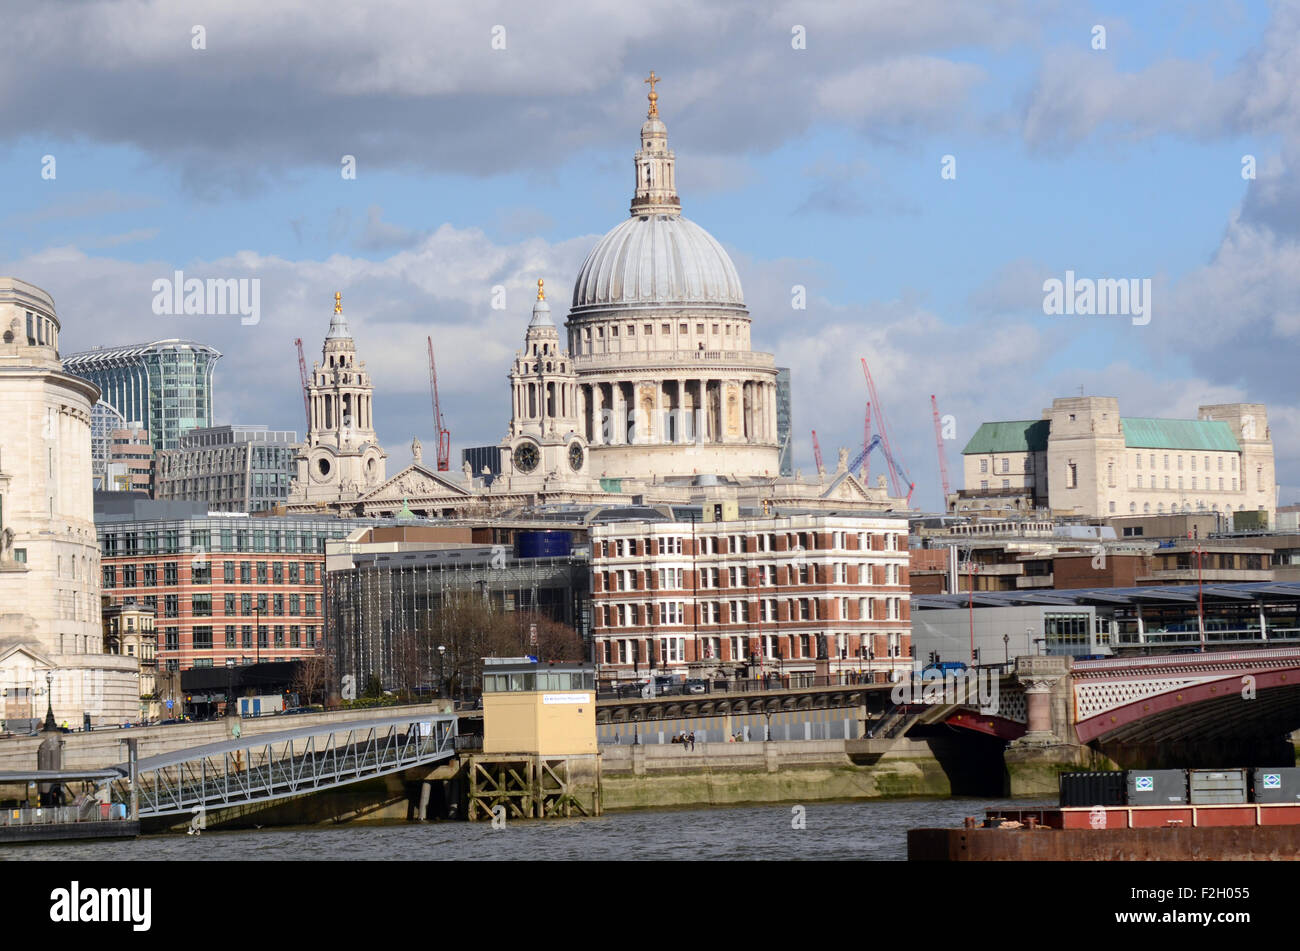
830 831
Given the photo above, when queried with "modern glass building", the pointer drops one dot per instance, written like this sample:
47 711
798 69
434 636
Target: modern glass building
165 385
232 468
784 420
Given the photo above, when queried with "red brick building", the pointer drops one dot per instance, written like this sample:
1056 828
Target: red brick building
225 588
799 595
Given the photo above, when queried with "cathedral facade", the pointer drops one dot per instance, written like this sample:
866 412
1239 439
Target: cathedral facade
651 391
659 343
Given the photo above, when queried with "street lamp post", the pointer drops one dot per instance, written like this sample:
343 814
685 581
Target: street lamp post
49 701
1006 650
442 670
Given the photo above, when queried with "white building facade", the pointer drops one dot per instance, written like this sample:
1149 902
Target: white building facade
49 558
341 459
1083 458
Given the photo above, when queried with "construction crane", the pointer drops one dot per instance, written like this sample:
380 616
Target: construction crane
896 470
938 441
817 453
444 436
882 427
866 441
306 381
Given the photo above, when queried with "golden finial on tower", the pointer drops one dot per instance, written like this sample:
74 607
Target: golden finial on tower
654 96
338 302
541 292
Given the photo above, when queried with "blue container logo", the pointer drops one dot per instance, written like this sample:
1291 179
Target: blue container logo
1145 783
1272 780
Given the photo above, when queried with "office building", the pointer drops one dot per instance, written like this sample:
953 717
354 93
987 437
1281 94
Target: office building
165 385
225 587
800 596
231 468
1084 458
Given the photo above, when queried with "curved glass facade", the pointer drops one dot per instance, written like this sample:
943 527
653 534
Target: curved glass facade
166 385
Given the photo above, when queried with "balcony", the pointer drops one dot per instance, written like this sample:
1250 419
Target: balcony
672 359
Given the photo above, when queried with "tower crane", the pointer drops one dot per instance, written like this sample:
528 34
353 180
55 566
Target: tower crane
444 435
882 428
817 452
866 440
896 471
306 381
938 440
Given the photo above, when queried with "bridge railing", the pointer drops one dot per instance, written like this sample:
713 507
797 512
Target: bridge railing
272 766
847 678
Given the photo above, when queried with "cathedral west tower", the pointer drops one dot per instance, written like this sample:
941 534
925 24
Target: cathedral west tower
341 458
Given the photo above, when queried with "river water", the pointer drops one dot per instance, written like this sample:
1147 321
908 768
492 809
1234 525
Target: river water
834 830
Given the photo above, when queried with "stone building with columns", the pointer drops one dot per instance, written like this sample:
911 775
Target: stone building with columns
341 457
650 391
51 640
1083 458
667 383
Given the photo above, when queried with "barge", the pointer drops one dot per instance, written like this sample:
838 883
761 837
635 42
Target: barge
1213 815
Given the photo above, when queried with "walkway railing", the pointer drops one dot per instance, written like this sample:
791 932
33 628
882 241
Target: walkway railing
275 765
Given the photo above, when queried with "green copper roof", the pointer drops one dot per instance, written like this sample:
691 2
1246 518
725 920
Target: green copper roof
1021 435
1204 434
1030 435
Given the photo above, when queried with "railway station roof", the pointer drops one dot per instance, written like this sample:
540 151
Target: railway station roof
1267 591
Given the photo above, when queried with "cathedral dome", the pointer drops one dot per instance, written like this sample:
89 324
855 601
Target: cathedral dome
656 258
662 260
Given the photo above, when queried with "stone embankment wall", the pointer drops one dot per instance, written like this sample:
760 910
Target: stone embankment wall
651 776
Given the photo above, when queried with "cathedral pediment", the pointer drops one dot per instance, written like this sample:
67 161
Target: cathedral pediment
416 482
848 487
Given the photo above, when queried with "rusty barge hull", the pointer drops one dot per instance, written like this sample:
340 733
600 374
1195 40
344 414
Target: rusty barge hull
1213 843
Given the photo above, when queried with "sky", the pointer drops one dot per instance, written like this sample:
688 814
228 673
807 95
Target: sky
920 168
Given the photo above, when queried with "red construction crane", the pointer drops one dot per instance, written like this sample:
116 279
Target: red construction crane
866 441
883 426
444 436
306 381
938 441
817 452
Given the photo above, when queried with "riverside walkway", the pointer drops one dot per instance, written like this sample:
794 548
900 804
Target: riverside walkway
269 766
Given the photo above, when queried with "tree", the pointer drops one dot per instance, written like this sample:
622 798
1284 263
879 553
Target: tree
313 679
374 688
556 641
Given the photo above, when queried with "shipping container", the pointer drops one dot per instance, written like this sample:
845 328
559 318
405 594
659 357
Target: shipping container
1156 787
1092 789
1276 784
1212 787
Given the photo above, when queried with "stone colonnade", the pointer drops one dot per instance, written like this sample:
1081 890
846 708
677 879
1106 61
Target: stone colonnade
678 409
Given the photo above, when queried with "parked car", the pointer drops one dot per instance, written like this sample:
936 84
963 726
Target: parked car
696 686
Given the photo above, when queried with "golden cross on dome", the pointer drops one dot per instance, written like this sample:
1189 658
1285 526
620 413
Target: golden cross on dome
338 303
654 96
541 294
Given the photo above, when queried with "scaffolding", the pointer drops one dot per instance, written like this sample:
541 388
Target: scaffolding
388 614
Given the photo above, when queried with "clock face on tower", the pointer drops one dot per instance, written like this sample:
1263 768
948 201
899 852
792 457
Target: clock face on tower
575 456
526 457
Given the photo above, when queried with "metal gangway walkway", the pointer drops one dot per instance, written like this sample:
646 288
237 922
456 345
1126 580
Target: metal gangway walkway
272 766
